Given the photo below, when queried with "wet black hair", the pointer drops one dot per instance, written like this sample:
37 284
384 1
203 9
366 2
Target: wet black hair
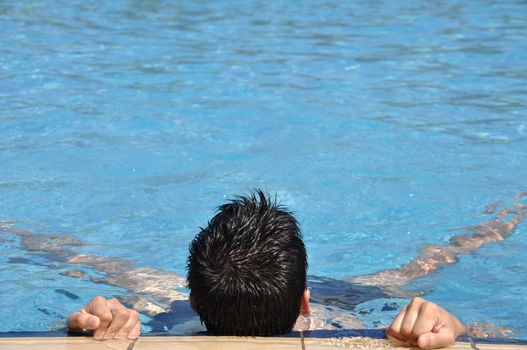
247 268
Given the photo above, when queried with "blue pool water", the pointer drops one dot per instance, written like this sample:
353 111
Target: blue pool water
383 125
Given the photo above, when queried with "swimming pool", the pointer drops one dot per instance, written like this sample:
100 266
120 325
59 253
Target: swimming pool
382 125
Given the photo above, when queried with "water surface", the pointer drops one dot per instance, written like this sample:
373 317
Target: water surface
383 125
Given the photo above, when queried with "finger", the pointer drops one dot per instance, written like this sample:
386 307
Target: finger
427 320
410 317
100 308
120 317
432 340
395 327
131 324
82 320
136 331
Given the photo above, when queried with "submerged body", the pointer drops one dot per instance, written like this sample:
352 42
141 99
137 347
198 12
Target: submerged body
160 295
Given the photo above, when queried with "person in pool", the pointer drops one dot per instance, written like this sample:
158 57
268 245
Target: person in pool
247 277
160 294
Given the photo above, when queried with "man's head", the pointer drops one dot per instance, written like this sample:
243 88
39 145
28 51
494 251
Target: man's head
247 269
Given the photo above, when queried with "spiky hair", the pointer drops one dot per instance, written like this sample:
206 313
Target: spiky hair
247 268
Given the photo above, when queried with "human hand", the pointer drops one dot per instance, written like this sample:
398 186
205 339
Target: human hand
426 325
109 319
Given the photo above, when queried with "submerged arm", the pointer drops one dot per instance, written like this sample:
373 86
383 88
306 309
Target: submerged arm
156 289
433 257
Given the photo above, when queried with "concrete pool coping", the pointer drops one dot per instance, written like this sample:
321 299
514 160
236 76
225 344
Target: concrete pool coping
220 343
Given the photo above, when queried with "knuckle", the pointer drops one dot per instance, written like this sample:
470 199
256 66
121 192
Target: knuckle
99 299
428 307
115 302
134 315
122 313
105 317
417 300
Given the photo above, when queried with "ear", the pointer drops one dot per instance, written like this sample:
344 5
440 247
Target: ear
305 308
192 303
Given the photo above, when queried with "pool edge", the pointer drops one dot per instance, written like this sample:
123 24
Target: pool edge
212 342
